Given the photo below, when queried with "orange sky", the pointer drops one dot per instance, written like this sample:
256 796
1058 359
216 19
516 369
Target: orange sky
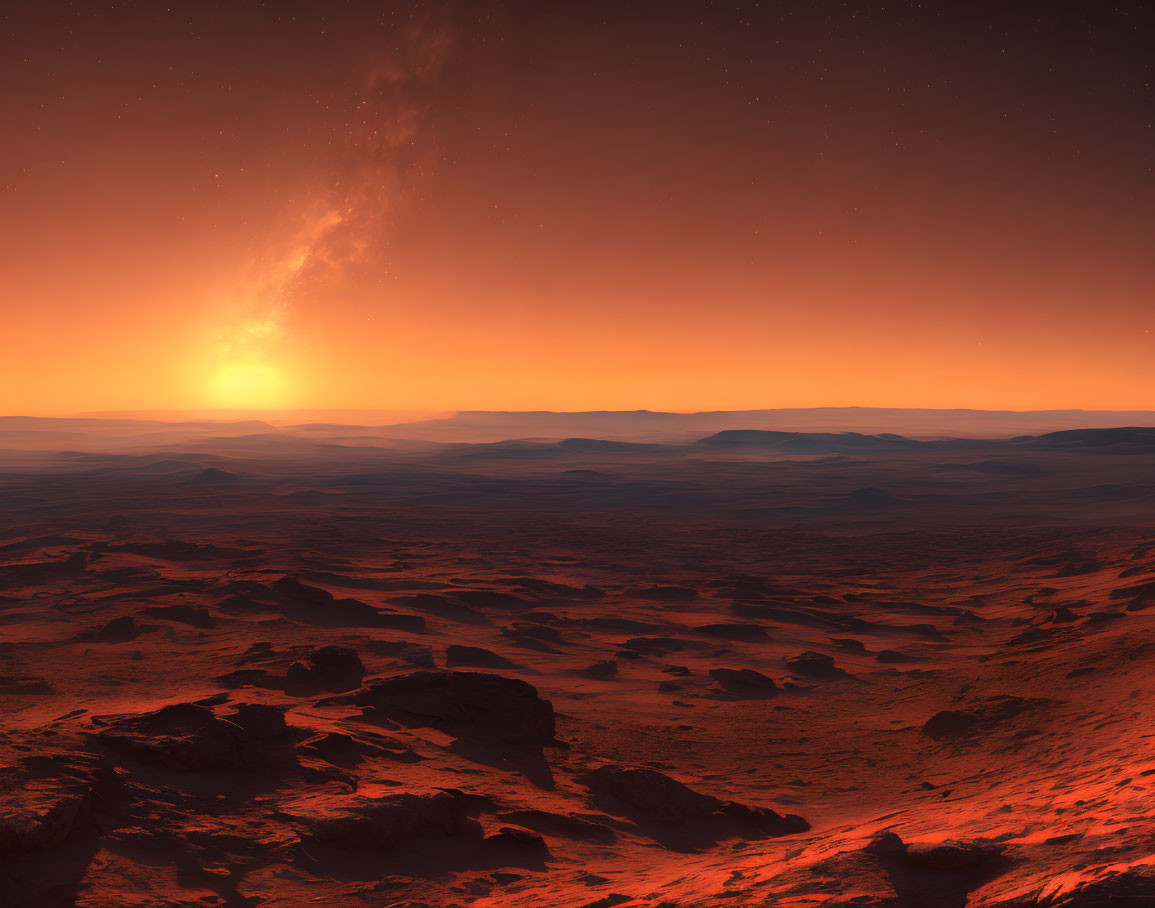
504 206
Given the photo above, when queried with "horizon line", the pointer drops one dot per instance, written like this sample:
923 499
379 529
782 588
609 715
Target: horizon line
416 415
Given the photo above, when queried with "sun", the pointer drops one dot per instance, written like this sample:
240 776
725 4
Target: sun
249 386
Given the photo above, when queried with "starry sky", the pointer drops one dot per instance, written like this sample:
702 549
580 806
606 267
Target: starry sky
523 205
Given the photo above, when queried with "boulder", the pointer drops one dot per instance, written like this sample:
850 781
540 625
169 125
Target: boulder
604 668
743 679
651 792
953 855
118 630
181 736
949 724
190 737
328 667
403 651
38 817
376 816
475 655
517 836
814 665
656 795
508 707
183 614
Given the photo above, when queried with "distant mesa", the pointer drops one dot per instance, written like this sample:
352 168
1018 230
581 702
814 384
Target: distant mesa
665 427
545 435
805 442
1139 438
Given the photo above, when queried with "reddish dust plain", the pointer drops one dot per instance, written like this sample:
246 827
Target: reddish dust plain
758 669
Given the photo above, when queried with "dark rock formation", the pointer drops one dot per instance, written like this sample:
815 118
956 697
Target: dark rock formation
814 665
377 817
183 614
662 798
604 668
743 679
328 668
181 736
457 654
506 706
949 724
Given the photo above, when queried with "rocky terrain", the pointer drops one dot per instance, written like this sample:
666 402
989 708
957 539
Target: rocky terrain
756 669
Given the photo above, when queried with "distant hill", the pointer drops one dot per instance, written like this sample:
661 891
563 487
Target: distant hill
212 476
857 429
805 442
654 426
1124 437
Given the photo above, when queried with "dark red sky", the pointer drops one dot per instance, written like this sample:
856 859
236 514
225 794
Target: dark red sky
573 206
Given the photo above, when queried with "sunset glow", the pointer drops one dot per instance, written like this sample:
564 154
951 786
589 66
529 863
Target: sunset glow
240 386
574 207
